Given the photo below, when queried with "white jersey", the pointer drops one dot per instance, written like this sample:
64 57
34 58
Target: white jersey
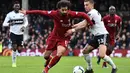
19 21
98 28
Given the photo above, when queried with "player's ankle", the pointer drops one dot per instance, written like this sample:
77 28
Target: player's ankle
47 67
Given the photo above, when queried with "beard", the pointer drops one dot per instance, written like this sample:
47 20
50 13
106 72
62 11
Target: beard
64 14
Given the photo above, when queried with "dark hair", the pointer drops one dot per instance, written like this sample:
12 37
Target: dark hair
16 2
91 1
63 3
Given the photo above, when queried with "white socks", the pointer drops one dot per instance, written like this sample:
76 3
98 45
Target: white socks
88 60
109 61
106 58
14 55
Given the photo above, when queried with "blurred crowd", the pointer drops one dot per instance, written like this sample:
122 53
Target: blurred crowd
40 26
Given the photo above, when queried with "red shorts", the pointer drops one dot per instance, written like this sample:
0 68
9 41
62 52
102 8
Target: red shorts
112 42
53 43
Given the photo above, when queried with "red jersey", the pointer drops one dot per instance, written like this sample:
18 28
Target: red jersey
61 23
111 23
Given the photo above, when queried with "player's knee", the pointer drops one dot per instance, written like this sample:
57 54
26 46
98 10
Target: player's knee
20 49
46 57
47 54
101 55
14 47
86 51
60 54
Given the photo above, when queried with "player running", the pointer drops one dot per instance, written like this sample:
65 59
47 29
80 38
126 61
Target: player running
113 24
62 22
17 23
100 39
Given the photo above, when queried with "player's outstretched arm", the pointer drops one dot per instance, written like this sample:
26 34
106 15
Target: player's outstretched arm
81 15
85 16
76 27
42 12
32 11
80 25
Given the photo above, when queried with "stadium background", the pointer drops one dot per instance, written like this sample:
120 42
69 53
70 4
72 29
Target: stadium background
41 26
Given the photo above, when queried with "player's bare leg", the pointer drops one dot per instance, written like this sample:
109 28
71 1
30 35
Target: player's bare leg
102 54
87 58
108 52
55 59
47 57
102 51
14 55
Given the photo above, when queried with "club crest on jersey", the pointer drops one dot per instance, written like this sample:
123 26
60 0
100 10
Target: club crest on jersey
89 14
66 25
61 21
49 12
115 21
21 15
112 25
76 13
13 16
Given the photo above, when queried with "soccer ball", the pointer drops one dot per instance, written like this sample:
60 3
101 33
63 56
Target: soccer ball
78 69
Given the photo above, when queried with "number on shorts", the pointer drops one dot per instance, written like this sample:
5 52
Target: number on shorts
100 41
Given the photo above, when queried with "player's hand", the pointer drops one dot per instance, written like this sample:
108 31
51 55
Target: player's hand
75 25
22 29
22 11
69 32
117 37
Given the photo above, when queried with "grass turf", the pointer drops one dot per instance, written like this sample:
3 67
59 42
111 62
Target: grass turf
65 65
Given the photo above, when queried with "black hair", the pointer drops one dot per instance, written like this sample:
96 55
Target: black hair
16 2
63 3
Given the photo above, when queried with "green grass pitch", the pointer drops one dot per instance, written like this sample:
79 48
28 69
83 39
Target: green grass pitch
65 65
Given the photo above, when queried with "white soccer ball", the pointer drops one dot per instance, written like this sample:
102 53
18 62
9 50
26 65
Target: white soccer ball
78 69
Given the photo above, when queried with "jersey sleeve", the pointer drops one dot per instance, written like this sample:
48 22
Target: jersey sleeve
90 16
6 21
83 15
42 12
95 17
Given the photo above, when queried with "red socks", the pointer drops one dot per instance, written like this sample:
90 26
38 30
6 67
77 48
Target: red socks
54 61
104 64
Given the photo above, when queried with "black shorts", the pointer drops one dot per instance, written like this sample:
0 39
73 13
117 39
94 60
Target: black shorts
16 39
100 39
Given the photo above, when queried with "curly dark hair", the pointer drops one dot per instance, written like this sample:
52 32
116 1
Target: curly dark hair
16 2
63 3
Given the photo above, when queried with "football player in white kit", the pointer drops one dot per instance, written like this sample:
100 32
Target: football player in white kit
100 39
17 23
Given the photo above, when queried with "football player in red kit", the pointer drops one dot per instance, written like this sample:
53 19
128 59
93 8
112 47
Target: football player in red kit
57 40
113 24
